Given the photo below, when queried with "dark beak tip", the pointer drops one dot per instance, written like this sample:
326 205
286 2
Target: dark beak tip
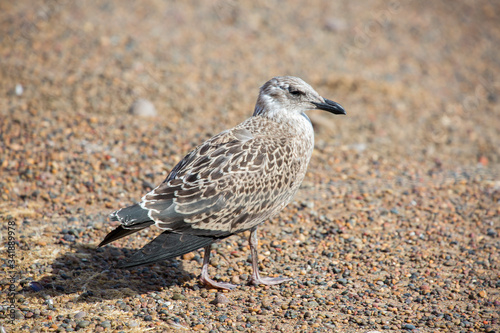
331 106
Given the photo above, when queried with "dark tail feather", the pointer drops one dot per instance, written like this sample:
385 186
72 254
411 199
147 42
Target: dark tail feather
131 216
168 245
121 232
134 218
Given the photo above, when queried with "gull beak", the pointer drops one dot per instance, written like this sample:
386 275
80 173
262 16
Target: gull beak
330 106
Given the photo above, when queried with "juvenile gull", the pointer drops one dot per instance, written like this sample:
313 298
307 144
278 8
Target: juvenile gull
230 183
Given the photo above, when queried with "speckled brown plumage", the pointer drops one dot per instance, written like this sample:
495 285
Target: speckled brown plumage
232 182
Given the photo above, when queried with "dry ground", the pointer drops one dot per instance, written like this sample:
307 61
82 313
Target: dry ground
396 226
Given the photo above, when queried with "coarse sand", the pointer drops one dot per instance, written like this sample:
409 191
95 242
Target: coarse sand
395 228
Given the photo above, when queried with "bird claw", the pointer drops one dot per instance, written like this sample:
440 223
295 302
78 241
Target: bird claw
216 285
268 281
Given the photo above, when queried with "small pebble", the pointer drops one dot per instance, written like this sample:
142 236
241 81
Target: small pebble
69 238
177 297
35 286
19 89
252 319
83 323
80 315
491 232
408 327
143 108
220 298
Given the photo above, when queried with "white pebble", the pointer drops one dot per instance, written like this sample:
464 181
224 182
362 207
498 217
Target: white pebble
143 108
19 89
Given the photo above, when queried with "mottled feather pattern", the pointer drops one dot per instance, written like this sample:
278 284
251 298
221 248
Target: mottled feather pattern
233 181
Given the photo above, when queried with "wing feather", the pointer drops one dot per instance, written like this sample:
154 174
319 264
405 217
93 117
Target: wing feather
221 187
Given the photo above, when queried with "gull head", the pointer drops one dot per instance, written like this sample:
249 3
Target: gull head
286 96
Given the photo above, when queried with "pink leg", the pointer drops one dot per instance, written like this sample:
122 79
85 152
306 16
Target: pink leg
256 279
206 280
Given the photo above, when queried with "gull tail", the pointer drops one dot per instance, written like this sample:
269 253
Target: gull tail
166 246
120 232
131 216
133 219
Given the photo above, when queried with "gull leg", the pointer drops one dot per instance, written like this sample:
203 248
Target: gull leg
256 279
206 280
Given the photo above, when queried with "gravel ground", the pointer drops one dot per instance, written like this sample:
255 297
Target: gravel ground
396 226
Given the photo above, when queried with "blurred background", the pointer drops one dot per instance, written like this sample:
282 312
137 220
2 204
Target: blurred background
406 70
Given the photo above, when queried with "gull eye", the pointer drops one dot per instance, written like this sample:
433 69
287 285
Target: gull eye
296 92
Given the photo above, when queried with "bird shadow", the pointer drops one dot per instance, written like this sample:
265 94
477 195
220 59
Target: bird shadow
89 274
